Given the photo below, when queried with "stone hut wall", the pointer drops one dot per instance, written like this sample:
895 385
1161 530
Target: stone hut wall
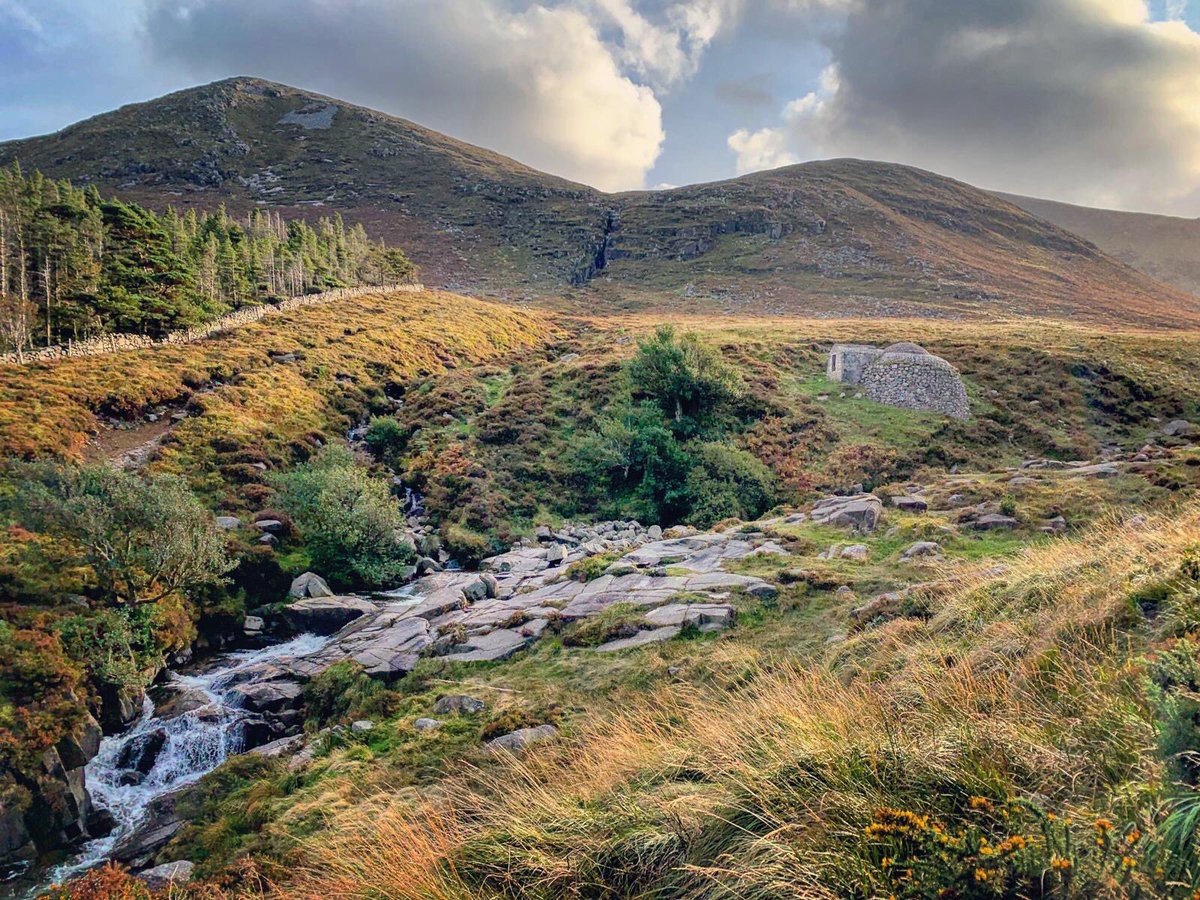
114 343
848 362
909 381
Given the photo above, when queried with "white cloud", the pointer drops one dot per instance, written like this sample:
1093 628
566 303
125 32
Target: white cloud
16 14
538 84
1083 100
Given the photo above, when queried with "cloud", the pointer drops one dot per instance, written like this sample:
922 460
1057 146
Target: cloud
536 83
16 15
745 93
1084 100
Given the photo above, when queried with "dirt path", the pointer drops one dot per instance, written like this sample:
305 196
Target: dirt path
129 447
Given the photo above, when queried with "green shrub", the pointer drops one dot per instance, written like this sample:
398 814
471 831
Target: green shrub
724 483
350 523
345 691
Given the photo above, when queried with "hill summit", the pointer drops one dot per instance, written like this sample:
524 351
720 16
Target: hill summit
829 237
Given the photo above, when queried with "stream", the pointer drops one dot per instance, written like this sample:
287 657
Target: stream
193 743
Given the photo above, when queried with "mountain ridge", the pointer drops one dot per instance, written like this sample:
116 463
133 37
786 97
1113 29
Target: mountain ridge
825 238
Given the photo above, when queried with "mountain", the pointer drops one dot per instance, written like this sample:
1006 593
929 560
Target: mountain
1164 247
825 238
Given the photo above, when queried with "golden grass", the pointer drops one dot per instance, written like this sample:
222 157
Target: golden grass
348 349
1021 683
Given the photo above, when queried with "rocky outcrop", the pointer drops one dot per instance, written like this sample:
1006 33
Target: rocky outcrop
861 512
325 614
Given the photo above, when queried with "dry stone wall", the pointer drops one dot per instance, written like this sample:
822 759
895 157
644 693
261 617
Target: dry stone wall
913 382
115 343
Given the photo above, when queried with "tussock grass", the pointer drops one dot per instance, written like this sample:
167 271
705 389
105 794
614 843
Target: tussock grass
1022 687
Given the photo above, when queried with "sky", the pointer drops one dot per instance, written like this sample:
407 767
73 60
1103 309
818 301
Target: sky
1087 101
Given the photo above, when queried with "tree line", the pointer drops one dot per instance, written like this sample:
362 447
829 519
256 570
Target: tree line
74 265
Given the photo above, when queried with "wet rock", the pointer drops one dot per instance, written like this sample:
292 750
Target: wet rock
174 701
140 753
325 615
267 697
309 585
158 825
79 748
120 707
521 738
458 703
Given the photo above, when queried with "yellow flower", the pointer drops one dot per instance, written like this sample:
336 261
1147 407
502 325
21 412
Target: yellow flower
1128 862
1133 836
981 875
1103 825
887 861
979 803
1059 862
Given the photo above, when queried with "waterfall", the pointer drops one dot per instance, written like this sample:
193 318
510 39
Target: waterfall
193 743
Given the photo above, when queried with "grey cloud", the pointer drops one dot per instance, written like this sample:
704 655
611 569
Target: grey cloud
1083 100
534 82
745 93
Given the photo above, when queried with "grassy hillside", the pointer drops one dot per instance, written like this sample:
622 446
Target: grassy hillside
1013 734
836 237
1167 248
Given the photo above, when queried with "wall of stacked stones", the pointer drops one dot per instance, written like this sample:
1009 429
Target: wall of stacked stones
918 386
113 343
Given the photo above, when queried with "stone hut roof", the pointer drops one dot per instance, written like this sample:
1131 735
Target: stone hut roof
906 347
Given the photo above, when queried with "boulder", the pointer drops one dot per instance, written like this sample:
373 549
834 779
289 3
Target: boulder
1179 428
253 625
426 566
228 523
79 748
309 585
159 823
162 878
271 526
362 726
325 615
861 512
555 554
458 703
140 753
994 522
921 550
910 504
521 738
267 697
424 724
855 553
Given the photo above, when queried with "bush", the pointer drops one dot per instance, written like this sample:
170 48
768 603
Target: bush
344 691
142 539
727 483
350 523
688 380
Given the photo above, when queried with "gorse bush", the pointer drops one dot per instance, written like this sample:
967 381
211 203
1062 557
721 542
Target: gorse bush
351 524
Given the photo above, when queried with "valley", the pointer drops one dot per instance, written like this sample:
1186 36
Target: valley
558 565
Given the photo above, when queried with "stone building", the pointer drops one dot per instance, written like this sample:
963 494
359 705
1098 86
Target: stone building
902 375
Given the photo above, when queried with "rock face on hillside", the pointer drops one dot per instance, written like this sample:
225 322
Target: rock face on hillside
521 595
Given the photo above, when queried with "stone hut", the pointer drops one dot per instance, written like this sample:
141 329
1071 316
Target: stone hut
903 375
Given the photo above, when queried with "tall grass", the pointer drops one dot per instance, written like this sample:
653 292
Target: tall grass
1020 696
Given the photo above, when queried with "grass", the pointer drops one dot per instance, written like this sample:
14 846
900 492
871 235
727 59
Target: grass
1017 704
245 408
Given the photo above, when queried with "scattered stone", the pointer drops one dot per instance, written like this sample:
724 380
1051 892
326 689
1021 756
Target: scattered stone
458 703
521 738
253 625
271 526
855 553
228 523
427 724
427 566
910 504
1179 428
921 550
555 554
362 726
